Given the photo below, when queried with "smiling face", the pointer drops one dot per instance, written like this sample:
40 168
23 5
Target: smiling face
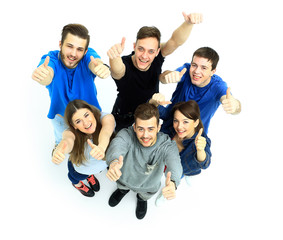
146 50
72 50
184 127
84 120
146 131
200 71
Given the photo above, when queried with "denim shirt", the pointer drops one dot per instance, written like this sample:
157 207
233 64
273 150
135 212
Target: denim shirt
191 166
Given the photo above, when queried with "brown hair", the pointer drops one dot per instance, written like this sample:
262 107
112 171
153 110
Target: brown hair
77 155
146 111
208 53
147 32
189 109
76 30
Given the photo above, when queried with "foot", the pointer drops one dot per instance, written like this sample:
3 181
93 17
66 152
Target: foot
141 208
117 196
94 183
85 190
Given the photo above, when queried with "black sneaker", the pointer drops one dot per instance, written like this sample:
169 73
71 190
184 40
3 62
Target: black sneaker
141 208
94 183
117 196
85 190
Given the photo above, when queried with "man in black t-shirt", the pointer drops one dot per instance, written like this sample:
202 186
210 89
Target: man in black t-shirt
137 75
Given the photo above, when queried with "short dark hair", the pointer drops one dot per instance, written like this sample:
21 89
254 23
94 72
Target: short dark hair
147 32
146 111
209 53
76 30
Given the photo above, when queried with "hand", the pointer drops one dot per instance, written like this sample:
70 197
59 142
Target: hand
193 18
100 69
174 76
200 141
158 99
114 172
169 191
230 104
96 152
42 73
59 153
116 50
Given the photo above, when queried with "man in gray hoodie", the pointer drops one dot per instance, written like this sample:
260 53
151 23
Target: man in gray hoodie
137 157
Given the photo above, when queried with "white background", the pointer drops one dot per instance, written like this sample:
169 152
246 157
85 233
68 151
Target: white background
238 197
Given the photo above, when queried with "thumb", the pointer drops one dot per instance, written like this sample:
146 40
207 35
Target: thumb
168 179
123 43
45 64
228 93
63 148
90 143
121 158
182 72
93 61
199 133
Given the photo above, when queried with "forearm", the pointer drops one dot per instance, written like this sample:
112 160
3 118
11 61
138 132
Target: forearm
117 68
181 34
108 126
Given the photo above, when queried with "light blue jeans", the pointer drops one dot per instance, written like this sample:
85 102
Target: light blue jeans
59 127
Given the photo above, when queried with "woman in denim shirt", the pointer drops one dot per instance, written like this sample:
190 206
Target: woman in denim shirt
192 142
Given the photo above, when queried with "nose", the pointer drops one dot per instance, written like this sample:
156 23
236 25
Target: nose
145 134
73 52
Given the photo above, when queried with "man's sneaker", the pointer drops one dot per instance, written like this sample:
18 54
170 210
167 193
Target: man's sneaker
141 208
160 200
117 196
85 190
94 183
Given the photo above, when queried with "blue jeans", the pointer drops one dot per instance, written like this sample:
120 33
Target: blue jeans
59 126
73 175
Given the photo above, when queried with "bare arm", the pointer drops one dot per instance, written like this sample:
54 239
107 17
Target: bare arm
108 126
181 34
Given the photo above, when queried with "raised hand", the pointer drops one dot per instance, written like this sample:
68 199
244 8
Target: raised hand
193 18
59 153
230 104
114 172
43 74
116 50
174 76
99 68
169 191
96 152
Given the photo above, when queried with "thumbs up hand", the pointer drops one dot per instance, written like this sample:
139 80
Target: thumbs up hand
96 152
193 18
229 103
116 50
98 68
114 172
200 141
169 191
158 99
59 153
43 74
174 76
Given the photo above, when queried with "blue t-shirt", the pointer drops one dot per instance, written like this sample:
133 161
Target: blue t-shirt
208 98
70 84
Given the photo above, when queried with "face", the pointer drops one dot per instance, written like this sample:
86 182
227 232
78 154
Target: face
200 71
184 127
145 51
84 120
146 131
72 50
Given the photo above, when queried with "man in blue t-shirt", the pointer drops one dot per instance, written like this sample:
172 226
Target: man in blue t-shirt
197 81
69 74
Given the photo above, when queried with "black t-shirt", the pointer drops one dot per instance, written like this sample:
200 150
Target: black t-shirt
137 87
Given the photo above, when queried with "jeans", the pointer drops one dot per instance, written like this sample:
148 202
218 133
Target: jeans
59 127
73 175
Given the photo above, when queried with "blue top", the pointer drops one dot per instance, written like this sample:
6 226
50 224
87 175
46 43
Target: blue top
208 98
70 84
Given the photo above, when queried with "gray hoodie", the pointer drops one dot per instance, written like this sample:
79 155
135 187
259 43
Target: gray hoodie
143 166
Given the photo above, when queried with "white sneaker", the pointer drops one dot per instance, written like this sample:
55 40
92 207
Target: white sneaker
160 200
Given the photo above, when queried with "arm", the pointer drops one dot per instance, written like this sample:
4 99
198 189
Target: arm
108 126
117 66
65 146
181 34
43 74
230 104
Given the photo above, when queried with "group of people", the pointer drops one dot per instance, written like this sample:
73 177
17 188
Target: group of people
130 142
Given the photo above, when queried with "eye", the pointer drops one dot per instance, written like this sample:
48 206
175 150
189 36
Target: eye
77 122
140 49
151 51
